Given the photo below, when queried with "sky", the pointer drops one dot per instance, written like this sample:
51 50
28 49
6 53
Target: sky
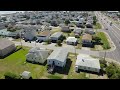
8 12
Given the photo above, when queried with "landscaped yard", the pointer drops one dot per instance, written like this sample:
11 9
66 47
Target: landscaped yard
97 26
104 40
16 63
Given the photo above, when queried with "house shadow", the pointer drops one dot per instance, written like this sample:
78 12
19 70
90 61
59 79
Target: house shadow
64 70
2 57
86 71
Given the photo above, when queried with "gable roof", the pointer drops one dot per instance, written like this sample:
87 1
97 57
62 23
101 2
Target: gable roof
44 33
59 54
87 37
57 34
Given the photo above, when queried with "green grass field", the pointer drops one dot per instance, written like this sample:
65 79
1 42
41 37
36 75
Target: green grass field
98 26
16 63
105 41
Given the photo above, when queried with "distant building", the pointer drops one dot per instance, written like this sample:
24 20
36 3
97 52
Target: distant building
87 40
85 62
56 36
65 29
43 36
58 57
89 31
37 55
71 41
6 47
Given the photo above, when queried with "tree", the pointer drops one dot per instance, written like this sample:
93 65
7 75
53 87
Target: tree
67 22
94 20
62 38
48 41
59 43
96 39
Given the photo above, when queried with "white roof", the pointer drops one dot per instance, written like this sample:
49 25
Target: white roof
59 54
26 73
71 39
87 61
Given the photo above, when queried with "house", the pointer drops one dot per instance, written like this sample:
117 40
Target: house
71 41
87 40
65 29
6 47
77 31
89 31
37 55
56 36
89 25
87 63
43 36
58 58
26 75
29 34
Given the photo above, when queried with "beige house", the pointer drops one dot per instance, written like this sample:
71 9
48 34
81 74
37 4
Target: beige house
6 47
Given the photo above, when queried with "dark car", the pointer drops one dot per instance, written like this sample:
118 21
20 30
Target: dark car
106 28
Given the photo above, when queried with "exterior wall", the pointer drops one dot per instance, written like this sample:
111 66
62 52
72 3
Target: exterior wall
87 42
8 50
57 63
54 38
89 69
43 38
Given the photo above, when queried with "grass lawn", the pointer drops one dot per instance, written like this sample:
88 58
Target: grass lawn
97 26
16 63
104 39
55 30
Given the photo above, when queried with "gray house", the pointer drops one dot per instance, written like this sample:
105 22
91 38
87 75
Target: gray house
89 31
65 29
37 55
56 36
6 47
58 57
87 40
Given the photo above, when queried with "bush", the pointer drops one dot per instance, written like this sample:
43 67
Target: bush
62 38
59 43
9 75
48 41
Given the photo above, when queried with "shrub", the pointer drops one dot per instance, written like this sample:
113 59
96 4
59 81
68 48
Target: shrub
9 75
48 41
59 43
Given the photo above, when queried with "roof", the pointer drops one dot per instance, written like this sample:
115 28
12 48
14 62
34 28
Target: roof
57 34
5 43
87 37
44 33
71 39
38 52
87 61
25 73
59 54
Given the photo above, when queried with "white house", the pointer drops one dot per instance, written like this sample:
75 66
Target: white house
58 57
37 55
6 47
43 36
85 62
56 36
26 75
71 41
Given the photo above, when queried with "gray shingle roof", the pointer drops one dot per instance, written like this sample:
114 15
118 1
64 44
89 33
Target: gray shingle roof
5 43
59 54
57 34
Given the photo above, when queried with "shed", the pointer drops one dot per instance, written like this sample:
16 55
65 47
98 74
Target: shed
37 55
58 57
26 75
71 41
85 62
6 47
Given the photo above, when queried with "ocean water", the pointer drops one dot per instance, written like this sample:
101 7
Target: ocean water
9 12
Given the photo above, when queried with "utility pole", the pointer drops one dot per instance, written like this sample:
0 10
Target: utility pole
105 55
20 39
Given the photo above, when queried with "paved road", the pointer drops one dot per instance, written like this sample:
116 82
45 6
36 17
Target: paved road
114 33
